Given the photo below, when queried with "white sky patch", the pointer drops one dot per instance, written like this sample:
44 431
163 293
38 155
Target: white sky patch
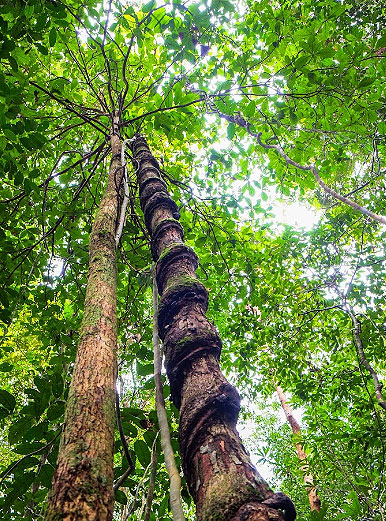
246 430
294 214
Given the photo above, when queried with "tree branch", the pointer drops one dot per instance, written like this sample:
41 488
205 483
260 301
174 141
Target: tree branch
170 463
126 123
8 472
239 120
358 340
67 105
153 473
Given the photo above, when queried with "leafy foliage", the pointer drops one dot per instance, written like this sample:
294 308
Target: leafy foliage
310 77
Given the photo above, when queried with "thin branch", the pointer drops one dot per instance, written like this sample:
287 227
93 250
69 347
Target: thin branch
358 340
20 296
239 120
68 106
22 194
126 196
150 492
83 158
319 310
8 472
170 463
134 502
81 186
357 189
128 122
87 76
124 66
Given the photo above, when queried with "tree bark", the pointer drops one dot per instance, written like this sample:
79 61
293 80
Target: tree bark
308 479
223 482
82 488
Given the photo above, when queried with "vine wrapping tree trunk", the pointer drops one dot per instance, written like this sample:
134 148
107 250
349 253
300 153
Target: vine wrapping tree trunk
308 479
223 482
83 481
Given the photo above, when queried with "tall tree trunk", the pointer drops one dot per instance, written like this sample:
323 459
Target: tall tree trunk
223 482
307 476
83 482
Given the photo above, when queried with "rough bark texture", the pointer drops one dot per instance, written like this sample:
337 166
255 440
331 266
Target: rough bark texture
308 479
224 484
83 482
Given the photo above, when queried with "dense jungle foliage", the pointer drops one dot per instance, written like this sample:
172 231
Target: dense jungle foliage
255 111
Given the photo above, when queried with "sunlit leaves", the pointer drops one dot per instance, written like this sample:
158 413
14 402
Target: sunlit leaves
310 77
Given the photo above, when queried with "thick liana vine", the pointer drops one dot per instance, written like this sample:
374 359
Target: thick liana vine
220 476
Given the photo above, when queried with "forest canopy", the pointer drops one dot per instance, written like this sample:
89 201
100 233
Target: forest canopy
264 123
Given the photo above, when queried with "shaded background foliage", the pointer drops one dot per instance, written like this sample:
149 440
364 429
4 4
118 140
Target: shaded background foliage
307 75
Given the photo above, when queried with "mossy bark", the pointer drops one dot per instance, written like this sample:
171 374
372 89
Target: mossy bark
224 484
82 489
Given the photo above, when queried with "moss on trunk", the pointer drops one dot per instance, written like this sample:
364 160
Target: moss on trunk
223 482
83 481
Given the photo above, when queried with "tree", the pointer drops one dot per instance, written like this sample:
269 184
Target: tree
296 86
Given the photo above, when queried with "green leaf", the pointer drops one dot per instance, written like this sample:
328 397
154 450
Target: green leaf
366 81
133 411
250 109
293 117
27 448
231 130
4 413
13 63
145 370
225 85
42 49
52 37
18 179
7 400
142 452
9 134
18 429
146 8
55 411
300 62
129 428
6 367
27 463
120 497
41 22
29 186
23 482
8 45
45 475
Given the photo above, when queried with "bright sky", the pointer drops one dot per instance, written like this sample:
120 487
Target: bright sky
246 429
297 215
